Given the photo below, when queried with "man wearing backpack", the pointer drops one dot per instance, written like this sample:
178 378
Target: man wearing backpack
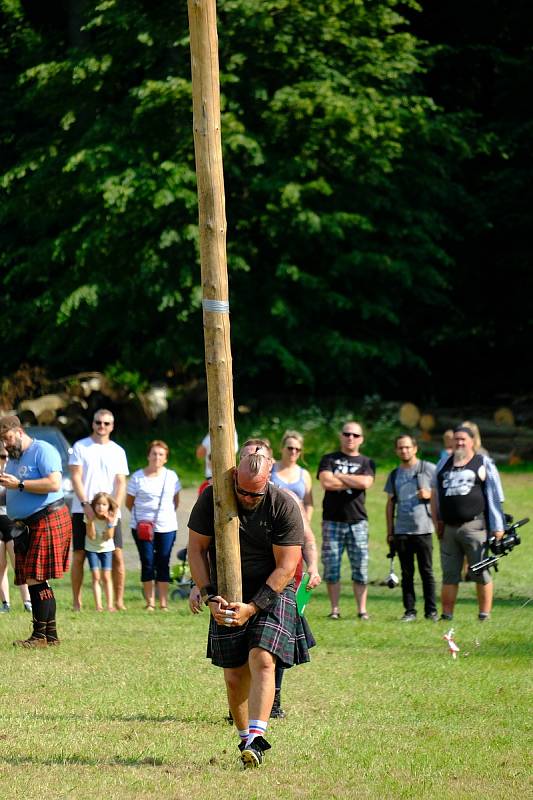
409 525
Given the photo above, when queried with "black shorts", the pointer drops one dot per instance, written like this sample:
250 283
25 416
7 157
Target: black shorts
5 527
78 533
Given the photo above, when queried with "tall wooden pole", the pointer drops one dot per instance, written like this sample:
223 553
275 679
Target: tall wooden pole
212 223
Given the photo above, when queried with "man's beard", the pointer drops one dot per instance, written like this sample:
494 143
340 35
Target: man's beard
14 451
459 455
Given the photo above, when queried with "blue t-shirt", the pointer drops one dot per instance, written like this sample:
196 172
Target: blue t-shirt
38 461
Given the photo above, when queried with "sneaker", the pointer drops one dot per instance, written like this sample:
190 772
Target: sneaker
483 616
27 606
252 754
364 616
434 617
409 616
6 608
334 615
446 617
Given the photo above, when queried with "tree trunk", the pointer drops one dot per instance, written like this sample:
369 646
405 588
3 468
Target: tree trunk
212 226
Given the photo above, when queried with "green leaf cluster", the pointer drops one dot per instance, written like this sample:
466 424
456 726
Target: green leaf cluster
344 180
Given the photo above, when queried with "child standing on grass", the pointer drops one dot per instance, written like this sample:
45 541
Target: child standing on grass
99 546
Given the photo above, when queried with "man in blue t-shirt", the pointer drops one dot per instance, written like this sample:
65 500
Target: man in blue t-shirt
409 524
35 502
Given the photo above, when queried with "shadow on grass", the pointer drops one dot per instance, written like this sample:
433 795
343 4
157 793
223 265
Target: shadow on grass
16 761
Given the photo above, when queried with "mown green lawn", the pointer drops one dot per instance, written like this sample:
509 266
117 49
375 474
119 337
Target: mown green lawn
128 707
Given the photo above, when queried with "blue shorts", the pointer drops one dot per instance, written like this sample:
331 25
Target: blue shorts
350 535
100 560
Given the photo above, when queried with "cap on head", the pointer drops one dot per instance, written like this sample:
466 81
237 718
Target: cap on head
9 423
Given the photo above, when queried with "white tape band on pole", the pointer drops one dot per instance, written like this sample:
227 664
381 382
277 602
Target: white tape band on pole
218 306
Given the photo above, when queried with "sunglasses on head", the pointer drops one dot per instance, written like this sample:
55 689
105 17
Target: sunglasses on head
349 433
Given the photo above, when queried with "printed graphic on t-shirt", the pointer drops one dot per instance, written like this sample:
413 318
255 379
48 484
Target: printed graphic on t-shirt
346 467
458 483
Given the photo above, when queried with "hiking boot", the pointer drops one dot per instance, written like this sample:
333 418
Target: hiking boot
277 711
252 754
434 617
31 643
409 616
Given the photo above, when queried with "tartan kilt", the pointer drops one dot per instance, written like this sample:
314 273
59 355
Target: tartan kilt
281 631
48 551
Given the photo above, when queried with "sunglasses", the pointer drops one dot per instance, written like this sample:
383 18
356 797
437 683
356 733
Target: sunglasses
102 422
293 449
244 493
349 433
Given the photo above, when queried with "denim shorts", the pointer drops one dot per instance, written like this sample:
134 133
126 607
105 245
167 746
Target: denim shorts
336 536
100 560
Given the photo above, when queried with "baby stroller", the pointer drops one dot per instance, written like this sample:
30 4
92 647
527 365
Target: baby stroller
181 576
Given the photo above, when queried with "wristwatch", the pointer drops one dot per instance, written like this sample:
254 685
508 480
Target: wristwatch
21 486
84 503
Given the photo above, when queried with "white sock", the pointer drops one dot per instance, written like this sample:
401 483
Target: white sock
257 727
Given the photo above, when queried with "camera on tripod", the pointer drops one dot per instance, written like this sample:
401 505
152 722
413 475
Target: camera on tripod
500 547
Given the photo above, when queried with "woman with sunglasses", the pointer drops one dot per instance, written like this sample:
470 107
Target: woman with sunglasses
287 473
7 548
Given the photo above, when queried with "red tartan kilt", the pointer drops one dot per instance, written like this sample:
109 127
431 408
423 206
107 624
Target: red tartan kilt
48 551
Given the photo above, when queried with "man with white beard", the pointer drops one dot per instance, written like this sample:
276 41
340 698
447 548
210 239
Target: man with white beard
465 506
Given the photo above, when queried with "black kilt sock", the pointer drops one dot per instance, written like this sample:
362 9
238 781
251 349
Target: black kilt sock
40 602
51 630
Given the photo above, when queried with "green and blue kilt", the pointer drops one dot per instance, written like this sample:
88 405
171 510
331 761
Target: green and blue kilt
281 631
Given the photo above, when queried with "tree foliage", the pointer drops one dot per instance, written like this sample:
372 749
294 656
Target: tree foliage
345 179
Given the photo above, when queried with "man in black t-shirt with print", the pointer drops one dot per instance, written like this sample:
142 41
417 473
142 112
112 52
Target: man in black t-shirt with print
247 638
345 475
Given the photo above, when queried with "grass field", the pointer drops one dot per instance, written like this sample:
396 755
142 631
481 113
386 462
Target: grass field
128 707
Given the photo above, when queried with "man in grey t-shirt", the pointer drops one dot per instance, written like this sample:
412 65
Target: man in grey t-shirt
409 524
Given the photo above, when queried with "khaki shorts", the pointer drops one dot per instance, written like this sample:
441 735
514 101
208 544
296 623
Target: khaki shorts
467 539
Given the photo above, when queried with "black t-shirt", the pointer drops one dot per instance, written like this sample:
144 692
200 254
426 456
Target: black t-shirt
346 505
276 520
460 490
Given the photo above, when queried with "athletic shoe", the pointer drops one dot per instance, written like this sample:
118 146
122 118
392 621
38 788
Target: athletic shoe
409 616
483 616
434 617
334 615
6 608
446 617
364 616
27 606
252 754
